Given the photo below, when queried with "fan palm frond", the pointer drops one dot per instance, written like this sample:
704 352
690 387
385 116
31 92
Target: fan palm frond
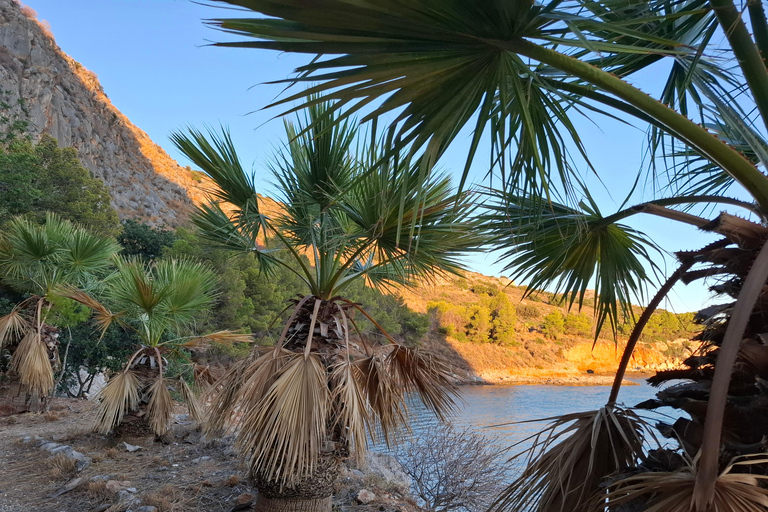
31 362
102 316
674 491
219 338
351 412
284 434
12 325
383 394
191 400
120 395
426 375
550 244
222 397
160 406
568 460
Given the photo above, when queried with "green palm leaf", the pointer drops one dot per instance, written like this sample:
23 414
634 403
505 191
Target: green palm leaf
572 250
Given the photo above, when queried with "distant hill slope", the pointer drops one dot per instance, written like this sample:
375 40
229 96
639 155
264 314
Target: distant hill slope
538 348
65 100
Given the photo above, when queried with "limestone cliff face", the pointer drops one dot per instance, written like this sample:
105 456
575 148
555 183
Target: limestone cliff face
65 100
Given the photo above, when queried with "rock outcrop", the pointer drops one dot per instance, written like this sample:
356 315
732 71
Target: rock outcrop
62 98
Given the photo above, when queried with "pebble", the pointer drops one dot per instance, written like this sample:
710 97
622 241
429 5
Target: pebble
365 496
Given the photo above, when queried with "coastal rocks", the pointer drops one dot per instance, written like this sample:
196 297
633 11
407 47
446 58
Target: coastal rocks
63 99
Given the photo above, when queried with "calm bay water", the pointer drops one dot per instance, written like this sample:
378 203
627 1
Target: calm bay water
483 407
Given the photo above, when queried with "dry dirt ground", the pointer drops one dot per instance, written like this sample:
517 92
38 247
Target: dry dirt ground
185 473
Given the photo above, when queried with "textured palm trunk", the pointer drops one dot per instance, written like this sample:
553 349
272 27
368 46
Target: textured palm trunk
312 494
265 504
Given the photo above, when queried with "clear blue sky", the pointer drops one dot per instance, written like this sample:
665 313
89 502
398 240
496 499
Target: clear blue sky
152 60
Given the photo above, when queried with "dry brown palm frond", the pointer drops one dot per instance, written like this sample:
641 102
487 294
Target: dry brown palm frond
351 412
384 395
160 406
25 345
102 316
259 376
191 400
241 387
674 491
120 395
284 434
219 338
222 396
426 375
569 458
30 361
12 325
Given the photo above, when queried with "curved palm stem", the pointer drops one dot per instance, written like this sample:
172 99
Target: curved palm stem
748 55
634 337
374 322
731 160
729 349
647 207
759 26
340 272
307 277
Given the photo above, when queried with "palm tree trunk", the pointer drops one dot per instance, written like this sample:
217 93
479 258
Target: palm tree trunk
265 504
710 446
311 494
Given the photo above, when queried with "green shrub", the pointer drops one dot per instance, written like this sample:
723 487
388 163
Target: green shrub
553 324
578 324
527 310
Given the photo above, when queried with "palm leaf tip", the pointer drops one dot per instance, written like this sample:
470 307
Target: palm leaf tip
384 396
352 412
119 396
31 362
426 375
160 408
12 325
569 459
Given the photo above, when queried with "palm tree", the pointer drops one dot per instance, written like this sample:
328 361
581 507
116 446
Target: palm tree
161 302
36 260
310 401
521 68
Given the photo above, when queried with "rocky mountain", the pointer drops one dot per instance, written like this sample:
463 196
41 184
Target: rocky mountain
62 98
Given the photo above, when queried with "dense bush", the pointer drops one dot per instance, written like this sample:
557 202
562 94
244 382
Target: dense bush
525 310
144 241
553 324
578 324
42 177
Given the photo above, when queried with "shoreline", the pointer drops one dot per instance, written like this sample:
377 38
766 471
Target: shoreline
529 377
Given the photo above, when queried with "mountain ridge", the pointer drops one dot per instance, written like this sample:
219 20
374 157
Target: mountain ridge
57 96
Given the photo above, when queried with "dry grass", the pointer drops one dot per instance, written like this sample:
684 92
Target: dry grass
52 416
98 492
61 466
167 499
112 453
233 480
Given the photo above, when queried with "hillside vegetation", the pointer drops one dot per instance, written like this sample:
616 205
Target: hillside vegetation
503 337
